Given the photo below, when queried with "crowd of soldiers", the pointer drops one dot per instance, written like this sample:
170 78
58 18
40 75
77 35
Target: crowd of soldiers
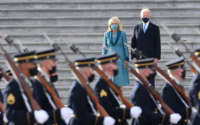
30 97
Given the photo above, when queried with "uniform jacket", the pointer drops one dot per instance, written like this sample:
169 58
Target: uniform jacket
15 109
108 100
194 93
174 102
150 115
78 101
41 98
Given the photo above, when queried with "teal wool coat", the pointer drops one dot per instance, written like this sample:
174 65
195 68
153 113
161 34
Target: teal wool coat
118 46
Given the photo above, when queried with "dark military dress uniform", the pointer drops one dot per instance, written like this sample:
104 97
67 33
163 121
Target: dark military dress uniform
150 115
82 107
173 98
108 100
173 101
1 116
15 108
41 98
194 93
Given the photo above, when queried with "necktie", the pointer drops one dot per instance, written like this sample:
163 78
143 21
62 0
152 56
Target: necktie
144 28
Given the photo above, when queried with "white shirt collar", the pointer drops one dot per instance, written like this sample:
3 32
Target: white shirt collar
146 24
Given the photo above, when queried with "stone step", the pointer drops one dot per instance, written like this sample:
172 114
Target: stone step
184 28
96 4
88 37
105 12
165 56
128 20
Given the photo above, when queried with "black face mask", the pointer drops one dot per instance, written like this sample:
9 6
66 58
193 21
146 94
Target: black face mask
33 71
115 72
183 74
145 20
1 76
91 78
53 70
54 78
151 78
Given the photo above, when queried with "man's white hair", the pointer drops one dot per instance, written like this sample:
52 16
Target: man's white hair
144 9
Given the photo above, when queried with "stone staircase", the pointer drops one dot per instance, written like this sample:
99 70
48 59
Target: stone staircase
83 22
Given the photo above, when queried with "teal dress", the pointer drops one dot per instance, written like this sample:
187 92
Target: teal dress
115 43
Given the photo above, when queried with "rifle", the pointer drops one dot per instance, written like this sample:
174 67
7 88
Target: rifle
46 85
55 98
90 93
18 75
146 84
1 107
105 78
166 77
176 38
173 83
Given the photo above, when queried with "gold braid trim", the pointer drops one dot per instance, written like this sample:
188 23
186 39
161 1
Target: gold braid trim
28 118
95 123
54 118
162 121
187 115
124 114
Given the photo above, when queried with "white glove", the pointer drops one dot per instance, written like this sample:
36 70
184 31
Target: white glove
108 120
135 111
175 118
65 113
41 116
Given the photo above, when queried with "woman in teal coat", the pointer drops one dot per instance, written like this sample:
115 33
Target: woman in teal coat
114 40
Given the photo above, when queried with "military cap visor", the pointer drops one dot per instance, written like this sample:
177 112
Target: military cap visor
197 52
25 57
144 63
86 62
107 58
46 54
9 73
177 63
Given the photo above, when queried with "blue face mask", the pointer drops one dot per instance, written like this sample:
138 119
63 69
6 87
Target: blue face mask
114 26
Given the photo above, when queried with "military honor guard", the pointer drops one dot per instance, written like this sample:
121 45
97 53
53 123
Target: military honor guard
194 93
1 100
152 113
171 96
46 64
83 107
18 110
107 97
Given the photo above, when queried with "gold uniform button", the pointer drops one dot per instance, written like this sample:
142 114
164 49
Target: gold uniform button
119 120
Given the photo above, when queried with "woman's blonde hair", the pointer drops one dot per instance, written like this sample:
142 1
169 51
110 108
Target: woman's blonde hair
114 19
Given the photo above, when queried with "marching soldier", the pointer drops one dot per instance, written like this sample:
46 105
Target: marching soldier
17 108
80 102
1 100
194 93
152 113
107 97
47 65
171 96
